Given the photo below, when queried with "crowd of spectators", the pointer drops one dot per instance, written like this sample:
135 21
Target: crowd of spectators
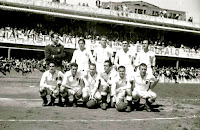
167 74
41 29
180 75
25 66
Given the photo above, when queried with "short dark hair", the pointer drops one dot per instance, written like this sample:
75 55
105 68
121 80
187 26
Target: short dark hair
83 40
122 67
142 64
52 35
103 36
52 61
108 61
74 64
145 40
92 64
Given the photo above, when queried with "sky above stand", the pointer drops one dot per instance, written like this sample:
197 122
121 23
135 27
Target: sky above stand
191 7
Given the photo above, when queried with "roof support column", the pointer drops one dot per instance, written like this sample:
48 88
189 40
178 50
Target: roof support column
9 52
177 64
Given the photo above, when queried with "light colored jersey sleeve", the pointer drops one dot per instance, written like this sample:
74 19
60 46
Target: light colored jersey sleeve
113 87
74 57
137 60
153 59
85 79
91 57
152 78
65 81
60 74
43 82
95 55
116 60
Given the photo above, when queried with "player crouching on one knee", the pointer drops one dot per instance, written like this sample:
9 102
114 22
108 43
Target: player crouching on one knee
121 89
106 82
72 85
90 94
143 84
49 84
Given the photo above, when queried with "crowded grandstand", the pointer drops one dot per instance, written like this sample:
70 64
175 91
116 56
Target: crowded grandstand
26 27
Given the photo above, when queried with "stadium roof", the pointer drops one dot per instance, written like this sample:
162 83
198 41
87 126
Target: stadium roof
84 13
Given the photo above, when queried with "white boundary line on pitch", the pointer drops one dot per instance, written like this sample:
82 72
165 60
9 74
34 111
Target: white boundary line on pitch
117 120
22 99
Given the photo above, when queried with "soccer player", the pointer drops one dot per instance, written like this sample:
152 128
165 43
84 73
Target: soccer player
106 81
143 83
55 51
72 85
121 88
101 54
49 84
147 57
91 81
82 56
125 57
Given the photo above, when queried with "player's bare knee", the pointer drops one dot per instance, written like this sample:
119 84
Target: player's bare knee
98 96
62 90
129 92
103 93
154 95
105 88
85 97
129 98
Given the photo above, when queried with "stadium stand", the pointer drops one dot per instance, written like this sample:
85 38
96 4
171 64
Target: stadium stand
31 28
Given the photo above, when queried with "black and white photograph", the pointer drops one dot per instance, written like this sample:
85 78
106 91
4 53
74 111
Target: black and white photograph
100 64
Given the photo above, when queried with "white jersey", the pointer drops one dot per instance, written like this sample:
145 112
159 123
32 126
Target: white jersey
91 81
70 80
49 80
142 84
124 58
82 59
145 57
102 54
117 82
106 78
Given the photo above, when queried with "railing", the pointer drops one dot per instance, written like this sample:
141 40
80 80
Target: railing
99 11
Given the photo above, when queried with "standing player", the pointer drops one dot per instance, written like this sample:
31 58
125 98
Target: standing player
147 57
101 54
49 84
91 81
82 56
143 85
106 81
125 57
72 85
55 51
121 88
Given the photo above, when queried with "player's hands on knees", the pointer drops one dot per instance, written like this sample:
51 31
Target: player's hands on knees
118 90
52 87
91 97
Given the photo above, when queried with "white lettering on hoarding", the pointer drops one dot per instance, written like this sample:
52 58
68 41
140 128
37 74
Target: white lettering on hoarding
17 37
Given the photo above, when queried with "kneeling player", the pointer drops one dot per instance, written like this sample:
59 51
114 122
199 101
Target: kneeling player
71 85
92 82
121 88
106 79
143 85
49 84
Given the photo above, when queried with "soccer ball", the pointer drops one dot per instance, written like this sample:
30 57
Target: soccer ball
121 106
91 104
